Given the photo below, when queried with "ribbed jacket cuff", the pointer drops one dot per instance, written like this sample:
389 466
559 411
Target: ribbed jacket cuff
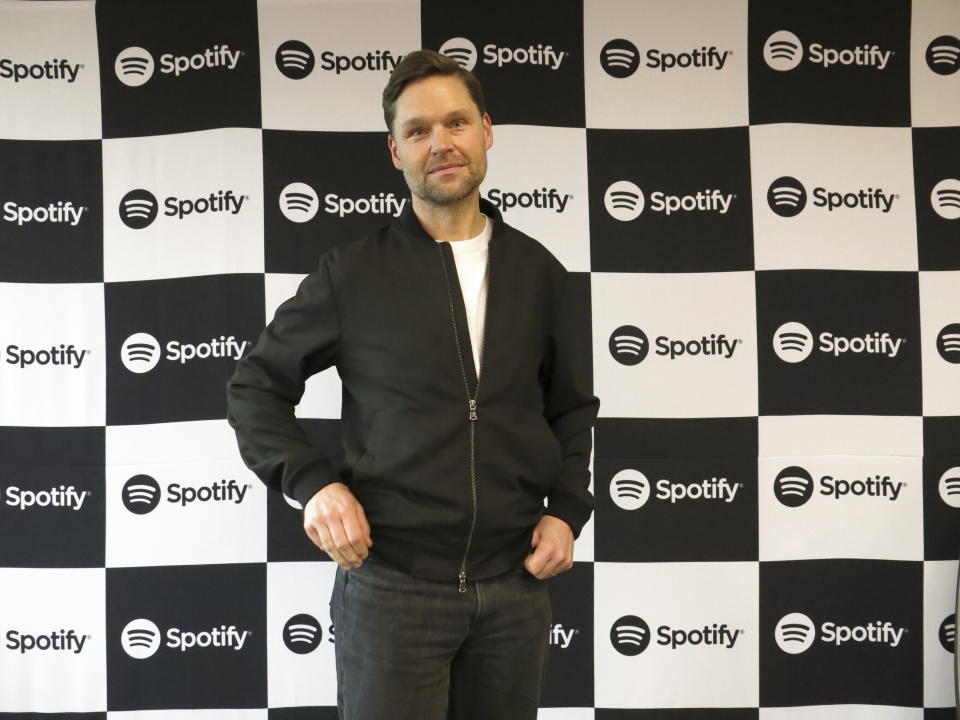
309 485
570 510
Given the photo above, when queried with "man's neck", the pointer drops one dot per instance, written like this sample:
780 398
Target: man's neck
450 223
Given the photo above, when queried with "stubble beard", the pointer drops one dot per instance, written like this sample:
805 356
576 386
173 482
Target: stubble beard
440 195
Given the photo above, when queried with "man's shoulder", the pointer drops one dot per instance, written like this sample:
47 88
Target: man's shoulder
531 250
357 250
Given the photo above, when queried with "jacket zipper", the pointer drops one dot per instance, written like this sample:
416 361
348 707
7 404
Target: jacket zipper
471 408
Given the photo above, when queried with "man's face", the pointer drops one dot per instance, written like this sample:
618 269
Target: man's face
440 140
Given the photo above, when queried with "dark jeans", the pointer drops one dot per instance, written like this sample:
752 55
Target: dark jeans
419 649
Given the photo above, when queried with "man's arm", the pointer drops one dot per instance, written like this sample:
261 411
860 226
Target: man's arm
571 410
302 340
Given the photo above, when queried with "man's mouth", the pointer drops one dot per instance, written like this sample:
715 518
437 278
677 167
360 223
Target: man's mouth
448 167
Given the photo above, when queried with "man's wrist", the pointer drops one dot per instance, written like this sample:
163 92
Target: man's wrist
308 486
570 511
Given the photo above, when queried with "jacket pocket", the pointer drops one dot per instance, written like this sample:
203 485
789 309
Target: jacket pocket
361 466
525 450
552 458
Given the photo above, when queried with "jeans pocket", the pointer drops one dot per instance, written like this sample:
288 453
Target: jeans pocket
339 587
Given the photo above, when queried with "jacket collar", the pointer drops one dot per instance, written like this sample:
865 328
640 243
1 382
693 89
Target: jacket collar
409 222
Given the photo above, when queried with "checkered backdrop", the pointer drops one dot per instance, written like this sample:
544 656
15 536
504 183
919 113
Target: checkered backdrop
760 203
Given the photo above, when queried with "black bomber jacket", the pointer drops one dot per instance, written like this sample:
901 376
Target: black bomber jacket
451 475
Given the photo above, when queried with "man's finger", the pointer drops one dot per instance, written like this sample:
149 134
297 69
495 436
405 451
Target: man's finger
323 539
535 563
354 537
326 540
339 559
547 560
535 538
549 570
313 535
364 525
341 544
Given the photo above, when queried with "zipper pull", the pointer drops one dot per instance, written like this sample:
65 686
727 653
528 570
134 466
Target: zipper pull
463 581
473 413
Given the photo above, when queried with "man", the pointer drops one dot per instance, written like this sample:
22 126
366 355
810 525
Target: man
465 404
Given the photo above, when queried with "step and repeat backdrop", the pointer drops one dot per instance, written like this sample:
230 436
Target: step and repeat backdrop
760 204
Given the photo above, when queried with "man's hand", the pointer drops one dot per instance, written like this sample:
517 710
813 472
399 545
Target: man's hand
552 544
336 524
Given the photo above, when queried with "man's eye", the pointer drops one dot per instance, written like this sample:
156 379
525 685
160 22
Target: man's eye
458 123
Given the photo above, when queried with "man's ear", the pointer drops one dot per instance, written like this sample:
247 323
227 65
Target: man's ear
488 130
393 152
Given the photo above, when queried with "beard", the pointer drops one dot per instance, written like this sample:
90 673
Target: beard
439 193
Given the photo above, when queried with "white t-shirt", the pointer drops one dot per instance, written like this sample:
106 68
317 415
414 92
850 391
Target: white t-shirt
471 258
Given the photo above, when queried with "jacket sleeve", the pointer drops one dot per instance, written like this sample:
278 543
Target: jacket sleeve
301 340
570 409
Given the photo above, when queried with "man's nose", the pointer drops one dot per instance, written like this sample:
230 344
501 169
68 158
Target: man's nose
441 140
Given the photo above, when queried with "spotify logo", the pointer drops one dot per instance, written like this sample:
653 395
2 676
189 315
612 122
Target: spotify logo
465 54
795 633
302 634
620 58
793 486
943 55
623 200
141 494
783 50
948 633
138 209
628 345
948 343
299 202
950 487
786 196
295 59
945 198
793 342
630 635
140 638
134 66
629 489
140 353
461 50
